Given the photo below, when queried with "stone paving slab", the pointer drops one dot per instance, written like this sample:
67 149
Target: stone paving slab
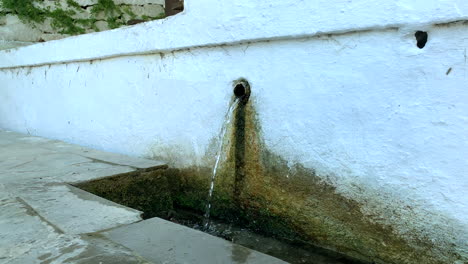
44 219
55 146
161 241
26 237
75 211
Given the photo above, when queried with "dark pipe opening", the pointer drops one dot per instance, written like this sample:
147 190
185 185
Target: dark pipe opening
239 90
421 38
242 90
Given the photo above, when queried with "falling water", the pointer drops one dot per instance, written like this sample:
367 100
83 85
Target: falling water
219 155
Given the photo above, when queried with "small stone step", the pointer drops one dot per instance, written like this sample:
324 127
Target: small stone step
161 241
43 218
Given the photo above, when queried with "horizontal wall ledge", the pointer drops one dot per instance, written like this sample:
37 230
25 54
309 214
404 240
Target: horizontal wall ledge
210 23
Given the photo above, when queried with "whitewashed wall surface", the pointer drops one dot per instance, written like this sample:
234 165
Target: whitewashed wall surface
339 87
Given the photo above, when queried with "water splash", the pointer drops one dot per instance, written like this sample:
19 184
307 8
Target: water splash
227 120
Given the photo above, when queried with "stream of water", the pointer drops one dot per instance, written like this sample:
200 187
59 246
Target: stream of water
219 155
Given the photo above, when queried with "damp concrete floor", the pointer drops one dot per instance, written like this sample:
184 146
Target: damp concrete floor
44 219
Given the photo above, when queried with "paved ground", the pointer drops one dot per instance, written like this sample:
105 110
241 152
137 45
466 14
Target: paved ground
44 219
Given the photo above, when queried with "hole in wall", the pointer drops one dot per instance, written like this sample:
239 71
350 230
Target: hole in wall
421 38
239 90
242 90
173 7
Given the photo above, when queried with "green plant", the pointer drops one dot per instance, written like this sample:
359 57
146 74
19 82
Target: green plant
129 12
25 10
63 21
63 18
30 12
74 4
111 11
108 7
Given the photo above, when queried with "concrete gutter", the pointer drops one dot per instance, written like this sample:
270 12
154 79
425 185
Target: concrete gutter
44 219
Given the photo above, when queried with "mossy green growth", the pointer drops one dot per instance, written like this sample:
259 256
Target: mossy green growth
30 12
148 192
74 4
63 17
253 215
160 193
111 11
129 12
108 7
24 9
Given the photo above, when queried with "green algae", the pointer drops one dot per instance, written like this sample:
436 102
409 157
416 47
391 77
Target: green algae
259 190
148 192
63 18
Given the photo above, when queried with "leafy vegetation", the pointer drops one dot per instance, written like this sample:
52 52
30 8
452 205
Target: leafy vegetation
63 17
25 10
74 4
108 7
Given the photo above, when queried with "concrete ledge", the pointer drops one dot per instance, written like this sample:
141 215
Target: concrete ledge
161 241
45 219
210 23
13 44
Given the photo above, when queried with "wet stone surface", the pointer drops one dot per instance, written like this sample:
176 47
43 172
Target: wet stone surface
258 190
169 195
45 219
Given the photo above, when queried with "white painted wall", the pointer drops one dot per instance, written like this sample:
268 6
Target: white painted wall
339 87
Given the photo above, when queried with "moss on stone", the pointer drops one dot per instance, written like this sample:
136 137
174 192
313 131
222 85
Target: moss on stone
148 192
63 18
108 7
272 197
29 12
25 10
129 12
63 21
74 4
